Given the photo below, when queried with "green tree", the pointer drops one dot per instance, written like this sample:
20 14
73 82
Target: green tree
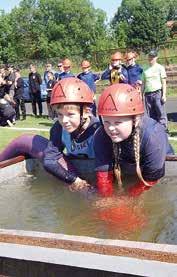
6 30
49 28
144 23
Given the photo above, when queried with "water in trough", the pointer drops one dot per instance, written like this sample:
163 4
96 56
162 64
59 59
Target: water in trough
41 203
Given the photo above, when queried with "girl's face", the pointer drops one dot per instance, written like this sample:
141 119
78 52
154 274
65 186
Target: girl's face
69 117
118 128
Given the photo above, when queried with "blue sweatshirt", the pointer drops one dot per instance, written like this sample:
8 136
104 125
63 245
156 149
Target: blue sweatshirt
106 75
89 78
64 75
134 73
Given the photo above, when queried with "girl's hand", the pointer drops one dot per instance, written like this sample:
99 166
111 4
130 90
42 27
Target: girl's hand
78 185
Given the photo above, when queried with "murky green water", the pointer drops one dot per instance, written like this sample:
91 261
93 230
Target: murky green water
40 203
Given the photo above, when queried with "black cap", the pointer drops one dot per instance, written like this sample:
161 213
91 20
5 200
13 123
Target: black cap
153 53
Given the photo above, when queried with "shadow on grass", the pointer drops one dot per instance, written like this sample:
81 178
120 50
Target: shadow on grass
48 124
172 117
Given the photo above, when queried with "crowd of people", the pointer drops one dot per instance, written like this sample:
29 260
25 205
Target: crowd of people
11 95
122 69
117 132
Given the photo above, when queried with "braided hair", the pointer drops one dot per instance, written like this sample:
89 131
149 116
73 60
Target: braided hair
116 155
136 146
117 169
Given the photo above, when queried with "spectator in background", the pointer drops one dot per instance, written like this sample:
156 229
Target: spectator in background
50 84
66 70
90 79
35 90
7 113
48 69
116 72
2 82
154 88
10 81
60 70
18 96
134 70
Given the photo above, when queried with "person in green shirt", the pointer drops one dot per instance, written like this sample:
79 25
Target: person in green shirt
154 88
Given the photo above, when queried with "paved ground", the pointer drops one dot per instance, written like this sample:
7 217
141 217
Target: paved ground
171 107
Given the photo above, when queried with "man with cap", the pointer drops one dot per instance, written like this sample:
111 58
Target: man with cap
154 88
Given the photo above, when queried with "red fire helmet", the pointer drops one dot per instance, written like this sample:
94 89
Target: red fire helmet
71 90
120 100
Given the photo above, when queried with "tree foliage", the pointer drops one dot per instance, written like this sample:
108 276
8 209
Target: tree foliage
143 21
48 28
41 29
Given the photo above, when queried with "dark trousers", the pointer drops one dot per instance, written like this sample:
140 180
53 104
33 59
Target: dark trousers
36 99
20 104
155 107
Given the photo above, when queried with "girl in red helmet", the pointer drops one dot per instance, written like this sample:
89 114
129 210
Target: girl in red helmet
72 132
128 141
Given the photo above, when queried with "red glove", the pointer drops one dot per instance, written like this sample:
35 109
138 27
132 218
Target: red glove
140 187
105 182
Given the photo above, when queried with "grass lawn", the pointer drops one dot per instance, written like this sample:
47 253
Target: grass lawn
172 126
174 144
32 122
7 134
171 92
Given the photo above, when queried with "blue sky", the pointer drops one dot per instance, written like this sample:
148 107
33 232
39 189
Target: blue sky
109 6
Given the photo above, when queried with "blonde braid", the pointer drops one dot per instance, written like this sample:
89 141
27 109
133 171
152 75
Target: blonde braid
117 169
136 145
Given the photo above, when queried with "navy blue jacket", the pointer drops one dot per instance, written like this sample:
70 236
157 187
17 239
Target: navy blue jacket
106 75
64 75
153 148
134 73
89 78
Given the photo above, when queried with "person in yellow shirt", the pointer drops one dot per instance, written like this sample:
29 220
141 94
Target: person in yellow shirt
154 88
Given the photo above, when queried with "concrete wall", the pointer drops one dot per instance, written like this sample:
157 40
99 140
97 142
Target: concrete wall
24 253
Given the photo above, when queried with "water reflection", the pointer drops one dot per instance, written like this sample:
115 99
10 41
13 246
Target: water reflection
43 204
